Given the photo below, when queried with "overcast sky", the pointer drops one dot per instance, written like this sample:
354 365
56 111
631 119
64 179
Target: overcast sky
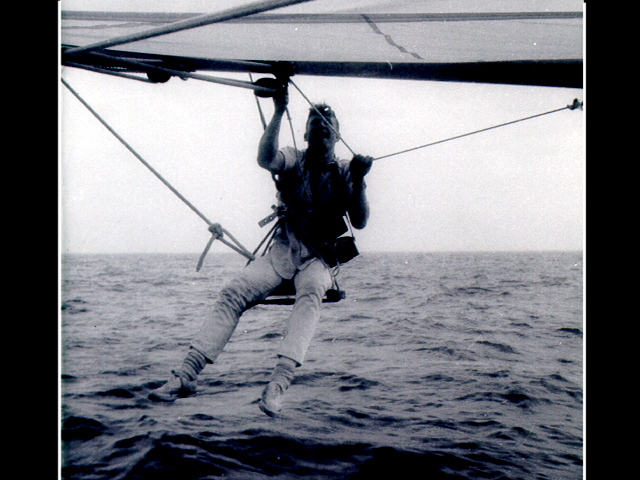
519 187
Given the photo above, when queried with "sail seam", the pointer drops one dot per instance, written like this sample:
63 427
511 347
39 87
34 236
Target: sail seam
389 39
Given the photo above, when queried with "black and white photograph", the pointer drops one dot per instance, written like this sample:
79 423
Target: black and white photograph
321 239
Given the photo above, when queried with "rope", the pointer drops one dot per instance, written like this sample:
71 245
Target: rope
573 106
215 228
262 119
323 117
182 74
269 236
576 104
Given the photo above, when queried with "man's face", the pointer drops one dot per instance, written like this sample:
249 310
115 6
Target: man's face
318 132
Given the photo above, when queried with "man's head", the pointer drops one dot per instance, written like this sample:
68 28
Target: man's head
317 129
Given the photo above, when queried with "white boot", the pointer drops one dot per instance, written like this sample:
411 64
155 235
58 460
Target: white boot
176 387
183 381
273 394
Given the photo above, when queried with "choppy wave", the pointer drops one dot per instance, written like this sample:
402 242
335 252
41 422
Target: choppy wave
450 365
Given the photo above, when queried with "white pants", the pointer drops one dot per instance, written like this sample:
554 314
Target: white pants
255 283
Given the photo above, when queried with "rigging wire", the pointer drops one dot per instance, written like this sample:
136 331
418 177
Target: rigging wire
323 117
576 104
573 106
262 119
215 228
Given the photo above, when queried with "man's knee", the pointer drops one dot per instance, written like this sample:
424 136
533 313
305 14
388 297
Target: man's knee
240 292
315 280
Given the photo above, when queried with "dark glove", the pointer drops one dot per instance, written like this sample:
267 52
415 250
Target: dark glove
360 166
280 94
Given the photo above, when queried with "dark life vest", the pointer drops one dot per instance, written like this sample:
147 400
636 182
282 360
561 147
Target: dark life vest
313 205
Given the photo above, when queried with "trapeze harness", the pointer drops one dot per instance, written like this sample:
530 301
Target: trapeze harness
312 204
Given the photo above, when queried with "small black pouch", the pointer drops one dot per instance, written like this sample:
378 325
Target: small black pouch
346 249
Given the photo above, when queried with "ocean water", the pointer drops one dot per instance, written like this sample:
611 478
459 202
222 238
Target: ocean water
436 365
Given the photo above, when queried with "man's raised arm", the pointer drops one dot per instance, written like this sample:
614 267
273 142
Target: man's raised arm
269 156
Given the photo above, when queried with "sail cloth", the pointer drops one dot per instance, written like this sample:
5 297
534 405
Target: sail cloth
536 43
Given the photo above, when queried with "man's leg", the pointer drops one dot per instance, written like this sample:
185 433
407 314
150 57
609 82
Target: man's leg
254 283
311 285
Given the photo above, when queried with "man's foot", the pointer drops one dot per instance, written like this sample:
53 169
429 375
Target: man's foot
176 387
271 401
